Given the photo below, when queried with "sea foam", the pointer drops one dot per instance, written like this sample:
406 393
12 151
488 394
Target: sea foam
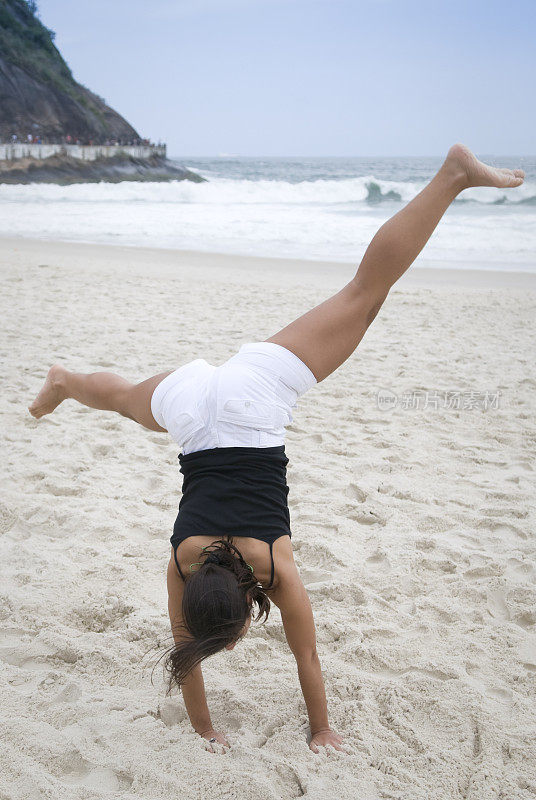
330 218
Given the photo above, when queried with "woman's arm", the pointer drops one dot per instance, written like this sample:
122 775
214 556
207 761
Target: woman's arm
193 688
298 622
195 700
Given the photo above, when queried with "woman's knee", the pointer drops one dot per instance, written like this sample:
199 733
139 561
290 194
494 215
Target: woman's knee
134 403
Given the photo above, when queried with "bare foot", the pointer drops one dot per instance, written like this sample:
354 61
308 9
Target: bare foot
52 393
475 173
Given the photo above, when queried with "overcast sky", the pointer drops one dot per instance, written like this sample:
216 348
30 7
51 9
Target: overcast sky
310 77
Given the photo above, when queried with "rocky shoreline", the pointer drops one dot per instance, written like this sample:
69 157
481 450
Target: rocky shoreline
63 169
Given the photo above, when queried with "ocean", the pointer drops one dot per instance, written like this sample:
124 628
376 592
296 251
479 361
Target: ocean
313 208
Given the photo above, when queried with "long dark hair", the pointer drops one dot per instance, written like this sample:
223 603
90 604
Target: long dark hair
218 600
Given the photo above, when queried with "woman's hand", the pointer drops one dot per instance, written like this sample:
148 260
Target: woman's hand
220 742
323 737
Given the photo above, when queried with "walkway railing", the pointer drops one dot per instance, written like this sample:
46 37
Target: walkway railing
86 152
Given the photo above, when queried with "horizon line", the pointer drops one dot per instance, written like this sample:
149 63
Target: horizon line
231 156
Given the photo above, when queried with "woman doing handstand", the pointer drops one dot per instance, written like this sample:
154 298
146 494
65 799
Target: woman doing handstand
230 423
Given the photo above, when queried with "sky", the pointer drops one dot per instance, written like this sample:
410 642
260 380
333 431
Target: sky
310 77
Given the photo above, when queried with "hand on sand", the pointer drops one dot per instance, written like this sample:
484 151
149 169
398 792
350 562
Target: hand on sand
219 745
325 737
460 161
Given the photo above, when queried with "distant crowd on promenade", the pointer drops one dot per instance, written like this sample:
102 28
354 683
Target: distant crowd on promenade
68 139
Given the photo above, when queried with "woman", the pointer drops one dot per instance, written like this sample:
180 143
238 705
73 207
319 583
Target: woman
230 423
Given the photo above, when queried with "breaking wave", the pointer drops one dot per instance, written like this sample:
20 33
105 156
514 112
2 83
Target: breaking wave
367 190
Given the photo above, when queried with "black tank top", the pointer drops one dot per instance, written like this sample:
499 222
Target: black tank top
233 491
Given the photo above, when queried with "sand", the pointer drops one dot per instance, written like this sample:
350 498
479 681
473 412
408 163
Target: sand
413 529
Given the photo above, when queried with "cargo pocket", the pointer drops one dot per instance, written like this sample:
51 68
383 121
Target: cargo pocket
248 413
183 426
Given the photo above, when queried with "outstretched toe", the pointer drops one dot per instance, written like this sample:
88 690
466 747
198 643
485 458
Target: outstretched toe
512 177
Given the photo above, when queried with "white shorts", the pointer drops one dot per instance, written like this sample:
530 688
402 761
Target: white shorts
245 402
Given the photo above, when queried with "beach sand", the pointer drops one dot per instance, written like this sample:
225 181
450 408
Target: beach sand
413 529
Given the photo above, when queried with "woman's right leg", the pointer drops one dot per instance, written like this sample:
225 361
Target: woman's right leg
102 390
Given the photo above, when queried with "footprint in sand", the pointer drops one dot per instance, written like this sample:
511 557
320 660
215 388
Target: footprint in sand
159 440
524 569
362 516
101 449
378 559
152 481
502 528
478 681
491 570
292 785
101 614
318 557
518 513
310 576
526 652
433 674
171 712
425 545
396 715
399 494
62 491
74 770
8 518
165 503
69 694
497 606
432 523
525 620
17 648
14 646
355 493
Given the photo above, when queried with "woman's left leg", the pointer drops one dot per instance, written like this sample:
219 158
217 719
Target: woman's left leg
103 390
327 335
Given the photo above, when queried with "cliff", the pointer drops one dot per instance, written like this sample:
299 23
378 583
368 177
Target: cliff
38 93
39 96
